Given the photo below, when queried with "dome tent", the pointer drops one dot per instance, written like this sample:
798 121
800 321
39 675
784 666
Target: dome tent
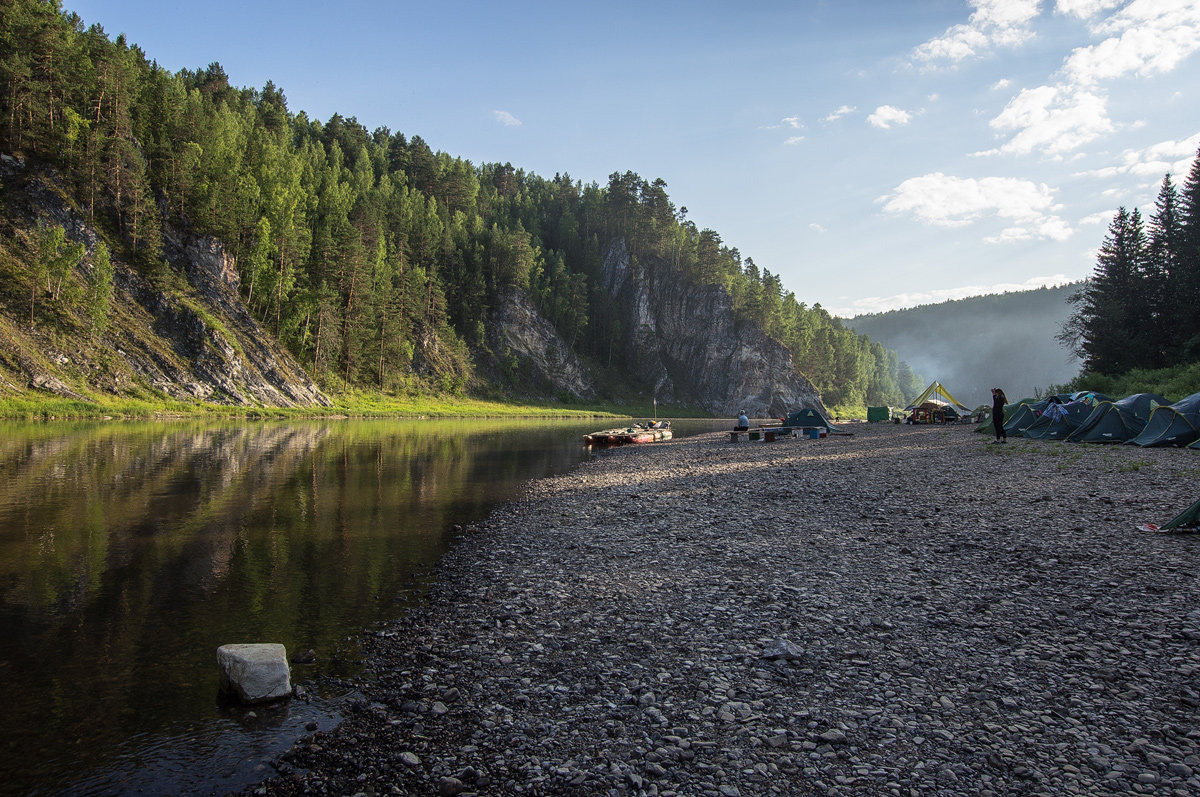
1175 425
1118 421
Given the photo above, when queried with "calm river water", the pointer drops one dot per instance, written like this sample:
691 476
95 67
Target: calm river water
130 552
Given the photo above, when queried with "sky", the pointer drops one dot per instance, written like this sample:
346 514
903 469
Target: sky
873 154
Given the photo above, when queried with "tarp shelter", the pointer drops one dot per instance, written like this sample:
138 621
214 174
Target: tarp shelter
937 399
809 418
1118 421
1177 424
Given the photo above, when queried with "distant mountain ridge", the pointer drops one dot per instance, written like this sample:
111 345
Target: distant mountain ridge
971 345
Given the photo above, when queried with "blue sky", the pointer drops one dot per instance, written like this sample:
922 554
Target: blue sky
874 154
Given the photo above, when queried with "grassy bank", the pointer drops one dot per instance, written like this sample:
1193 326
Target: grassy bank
36 406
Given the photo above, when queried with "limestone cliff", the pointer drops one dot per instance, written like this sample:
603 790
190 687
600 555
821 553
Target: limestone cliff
691 349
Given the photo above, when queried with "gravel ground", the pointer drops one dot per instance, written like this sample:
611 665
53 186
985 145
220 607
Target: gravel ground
906 611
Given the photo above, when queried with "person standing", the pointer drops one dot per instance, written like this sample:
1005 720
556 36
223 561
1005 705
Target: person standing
998 402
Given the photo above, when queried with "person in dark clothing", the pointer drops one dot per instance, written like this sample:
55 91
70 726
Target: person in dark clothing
998 402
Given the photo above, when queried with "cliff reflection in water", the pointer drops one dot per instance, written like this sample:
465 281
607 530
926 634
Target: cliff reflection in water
129 553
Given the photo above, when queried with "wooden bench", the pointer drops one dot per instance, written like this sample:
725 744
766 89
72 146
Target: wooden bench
768 434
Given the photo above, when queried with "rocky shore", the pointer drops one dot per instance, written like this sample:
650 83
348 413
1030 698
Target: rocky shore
907 611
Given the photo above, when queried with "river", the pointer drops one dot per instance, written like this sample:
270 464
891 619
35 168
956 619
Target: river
130 551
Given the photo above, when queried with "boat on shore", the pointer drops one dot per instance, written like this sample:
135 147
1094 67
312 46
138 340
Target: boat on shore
638 433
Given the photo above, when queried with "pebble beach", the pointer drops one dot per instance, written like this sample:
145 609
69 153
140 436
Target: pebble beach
901 611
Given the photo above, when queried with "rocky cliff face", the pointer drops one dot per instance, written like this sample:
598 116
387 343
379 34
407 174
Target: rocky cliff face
192 340
689 346
517 329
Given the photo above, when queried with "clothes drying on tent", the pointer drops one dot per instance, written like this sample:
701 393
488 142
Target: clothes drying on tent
1058 421
1177 424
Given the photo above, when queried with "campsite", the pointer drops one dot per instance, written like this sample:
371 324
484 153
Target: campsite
845 631
1142 419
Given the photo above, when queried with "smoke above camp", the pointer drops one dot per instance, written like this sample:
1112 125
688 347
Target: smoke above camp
971 345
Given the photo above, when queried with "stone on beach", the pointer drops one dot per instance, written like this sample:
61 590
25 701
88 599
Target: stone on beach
1002 629
255 673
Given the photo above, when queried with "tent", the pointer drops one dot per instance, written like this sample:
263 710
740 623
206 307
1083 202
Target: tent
1118 421
1057 421
936 403
1177 424
1029 410
1020 419
985 423
1187 520
811 419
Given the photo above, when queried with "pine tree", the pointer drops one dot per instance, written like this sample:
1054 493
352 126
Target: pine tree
1161 273
1186 282
1111 304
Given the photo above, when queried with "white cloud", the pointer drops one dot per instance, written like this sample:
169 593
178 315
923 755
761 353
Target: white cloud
1085 9
881 304
993 23
793 141
947 201
793 122
885 116
1052 119
1153 161
839 113
1001 84
816 228
1143 38
507 119
1146 37
1104 217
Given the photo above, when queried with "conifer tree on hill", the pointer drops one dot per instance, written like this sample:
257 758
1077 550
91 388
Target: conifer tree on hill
373 258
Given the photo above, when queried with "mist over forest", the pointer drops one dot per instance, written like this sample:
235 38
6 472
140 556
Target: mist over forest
971 345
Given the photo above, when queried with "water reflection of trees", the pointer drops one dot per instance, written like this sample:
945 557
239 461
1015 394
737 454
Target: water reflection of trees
128 553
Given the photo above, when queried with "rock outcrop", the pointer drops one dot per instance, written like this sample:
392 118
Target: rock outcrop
189 338
518 329
688 345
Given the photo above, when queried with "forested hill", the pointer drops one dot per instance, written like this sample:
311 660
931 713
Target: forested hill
971 345
371 259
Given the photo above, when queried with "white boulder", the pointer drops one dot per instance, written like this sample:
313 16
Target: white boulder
255 673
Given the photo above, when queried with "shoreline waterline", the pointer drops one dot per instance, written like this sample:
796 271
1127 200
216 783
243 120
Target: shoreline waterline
901 611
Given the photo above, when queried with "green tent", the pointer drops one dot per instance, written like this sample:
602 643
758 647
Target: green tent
1174 425
811 419
985 423
1187 520
1118 421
